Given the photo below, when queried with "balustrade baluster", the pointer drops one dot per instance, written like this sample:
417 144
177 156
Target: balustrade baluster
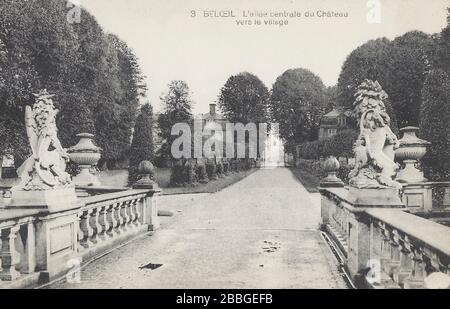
93 225
136 210
133 212
118 218
85 228
102 221
405 267
123 216
395 255
9 256
385 255
80 235
129 214
112 222
418 273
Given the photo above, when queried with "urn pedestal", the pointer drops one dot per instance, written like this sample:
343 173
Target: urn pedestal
86 155
411 150
331 166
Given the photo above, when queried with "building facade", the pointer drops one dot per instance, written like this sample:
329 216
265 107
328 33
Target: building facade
332 123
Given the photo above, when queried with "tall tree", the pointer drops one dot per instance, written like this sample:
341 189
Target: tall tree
368 61
297 102
177 108
443 44
400 66
95 78
434 120
244 98
142 144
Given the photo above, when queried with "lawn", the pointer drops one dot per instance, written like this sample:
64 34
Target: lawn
118 178
309 181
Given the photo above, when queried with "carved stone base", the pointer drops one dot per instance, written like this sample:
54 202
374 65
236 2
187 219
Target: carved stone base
410 173
85 177
418 197
53 200
331 181
377 197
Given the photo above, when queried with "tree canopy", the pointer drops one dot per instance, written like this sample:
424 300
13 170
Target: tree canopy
244 98
443 46
177 108
297 103
400 66
434 120
95 76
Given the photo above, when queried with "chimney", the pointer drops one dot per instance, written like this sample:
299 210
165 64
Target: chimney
212 109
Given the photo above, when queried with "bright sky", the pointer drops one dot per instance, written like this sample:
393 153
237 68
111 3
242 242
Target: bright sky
206 51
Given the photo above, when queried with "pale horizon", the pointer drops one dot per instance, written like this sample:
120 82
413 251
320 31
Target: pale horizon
205 52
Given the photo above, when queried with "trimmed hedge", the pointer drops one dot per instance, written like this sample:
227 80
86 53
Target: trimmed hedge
183 174
219 168
226 167
340 145
202 176
186 173
211 169
434 125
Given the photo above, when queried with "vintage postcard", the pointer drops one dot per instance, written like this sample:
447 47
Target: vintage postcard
229 145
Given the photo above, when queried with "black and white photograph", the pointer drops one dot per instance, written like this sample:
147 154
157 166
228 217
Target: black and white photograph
231 148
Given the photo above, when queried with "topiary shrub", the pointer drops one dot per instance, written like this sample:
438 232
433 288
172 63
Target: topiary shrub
235 165
226 168
219 168
190 174
202 176
211 170
142 144
434 125
178 174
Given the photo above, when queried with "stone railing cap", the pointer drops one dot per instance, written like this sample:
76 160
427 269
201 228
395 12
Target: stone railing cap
115 195
430 233
13 214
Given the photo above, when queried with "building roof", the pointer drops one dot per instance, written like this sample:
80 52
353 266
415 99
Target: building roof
215 116
334 113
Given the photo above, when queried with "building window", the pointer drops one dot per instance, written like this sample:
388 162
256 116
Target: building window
331 132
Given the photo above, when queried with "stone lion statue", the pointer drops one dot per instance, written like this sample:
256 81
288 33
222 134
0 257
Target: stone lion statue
374 149
45 168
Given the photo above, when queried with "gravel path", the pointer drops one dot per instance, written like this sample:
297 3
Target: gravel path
258 233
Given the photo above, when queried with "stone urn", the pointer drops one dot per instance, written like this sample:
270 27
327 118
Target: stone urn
411 150
331 165
86 155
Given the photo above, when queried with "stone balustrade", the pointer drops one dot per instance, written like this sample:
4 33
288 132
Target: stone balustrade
109 219
383 246
37 245
404 254
17 246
